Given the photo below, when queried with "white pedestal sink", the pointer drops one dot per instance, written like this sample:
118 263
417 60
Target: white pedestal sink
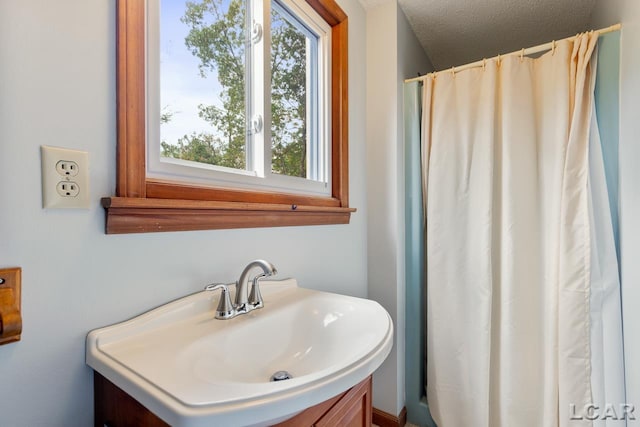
193 370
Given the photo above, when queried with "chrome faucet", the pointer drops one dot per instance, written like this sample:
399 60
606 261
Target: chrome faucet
244 301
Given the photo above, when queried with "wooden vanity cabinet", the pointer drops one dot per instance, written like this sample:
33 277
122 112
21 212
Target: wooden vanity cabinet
349 409
115 408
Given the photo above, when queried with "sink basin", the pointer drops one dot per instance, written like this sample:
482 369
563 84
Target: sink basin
193 370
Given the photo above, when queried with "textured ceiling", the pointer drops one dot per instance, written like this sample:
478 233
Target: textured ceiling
455 32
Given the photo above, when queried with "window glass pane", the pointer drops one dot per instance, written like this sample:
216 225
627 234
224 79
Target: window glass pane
293 87
202 79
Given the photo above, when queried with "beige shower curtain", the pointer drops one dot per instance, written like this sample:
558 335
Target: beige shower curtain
505 156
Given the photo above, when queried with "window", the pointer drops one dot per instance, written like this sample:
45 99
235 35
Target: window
271 146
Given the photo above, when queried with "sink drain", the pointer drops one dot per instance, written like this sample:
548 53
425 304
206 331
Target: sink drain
281 376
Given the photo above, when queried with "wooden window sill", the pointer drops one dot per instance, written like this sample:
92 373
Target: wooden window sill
144 204
146 215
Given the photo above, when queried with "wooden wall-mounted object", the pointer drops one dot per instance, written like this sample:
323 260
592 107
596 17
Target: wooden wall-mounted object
10 317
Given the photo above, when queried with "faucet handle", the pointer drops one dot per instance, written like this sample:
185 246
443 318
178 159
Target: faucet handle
255 298
225 309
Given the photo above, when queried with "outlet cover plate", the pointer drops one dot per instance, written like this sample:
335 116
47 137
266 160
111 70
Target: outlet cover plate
55 161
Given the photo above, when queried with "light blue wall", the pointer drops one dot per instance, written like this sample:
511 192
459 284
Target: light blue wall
607 94
393 54
415 358
627 13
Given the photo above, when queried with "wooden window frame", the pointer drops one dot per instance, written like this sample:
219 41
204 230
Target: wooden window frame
144 204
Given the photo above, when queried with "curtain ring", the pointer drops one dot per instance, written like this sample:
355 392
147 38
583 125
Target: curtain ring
522 55
453 71
484 64
553 47
499 60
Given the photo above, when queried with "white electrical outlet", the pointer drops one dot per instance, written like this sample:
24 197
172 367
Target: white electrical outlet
65 178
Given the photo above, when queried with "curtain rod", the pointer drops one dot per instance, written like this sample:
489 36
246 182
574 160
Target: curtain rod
523 52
